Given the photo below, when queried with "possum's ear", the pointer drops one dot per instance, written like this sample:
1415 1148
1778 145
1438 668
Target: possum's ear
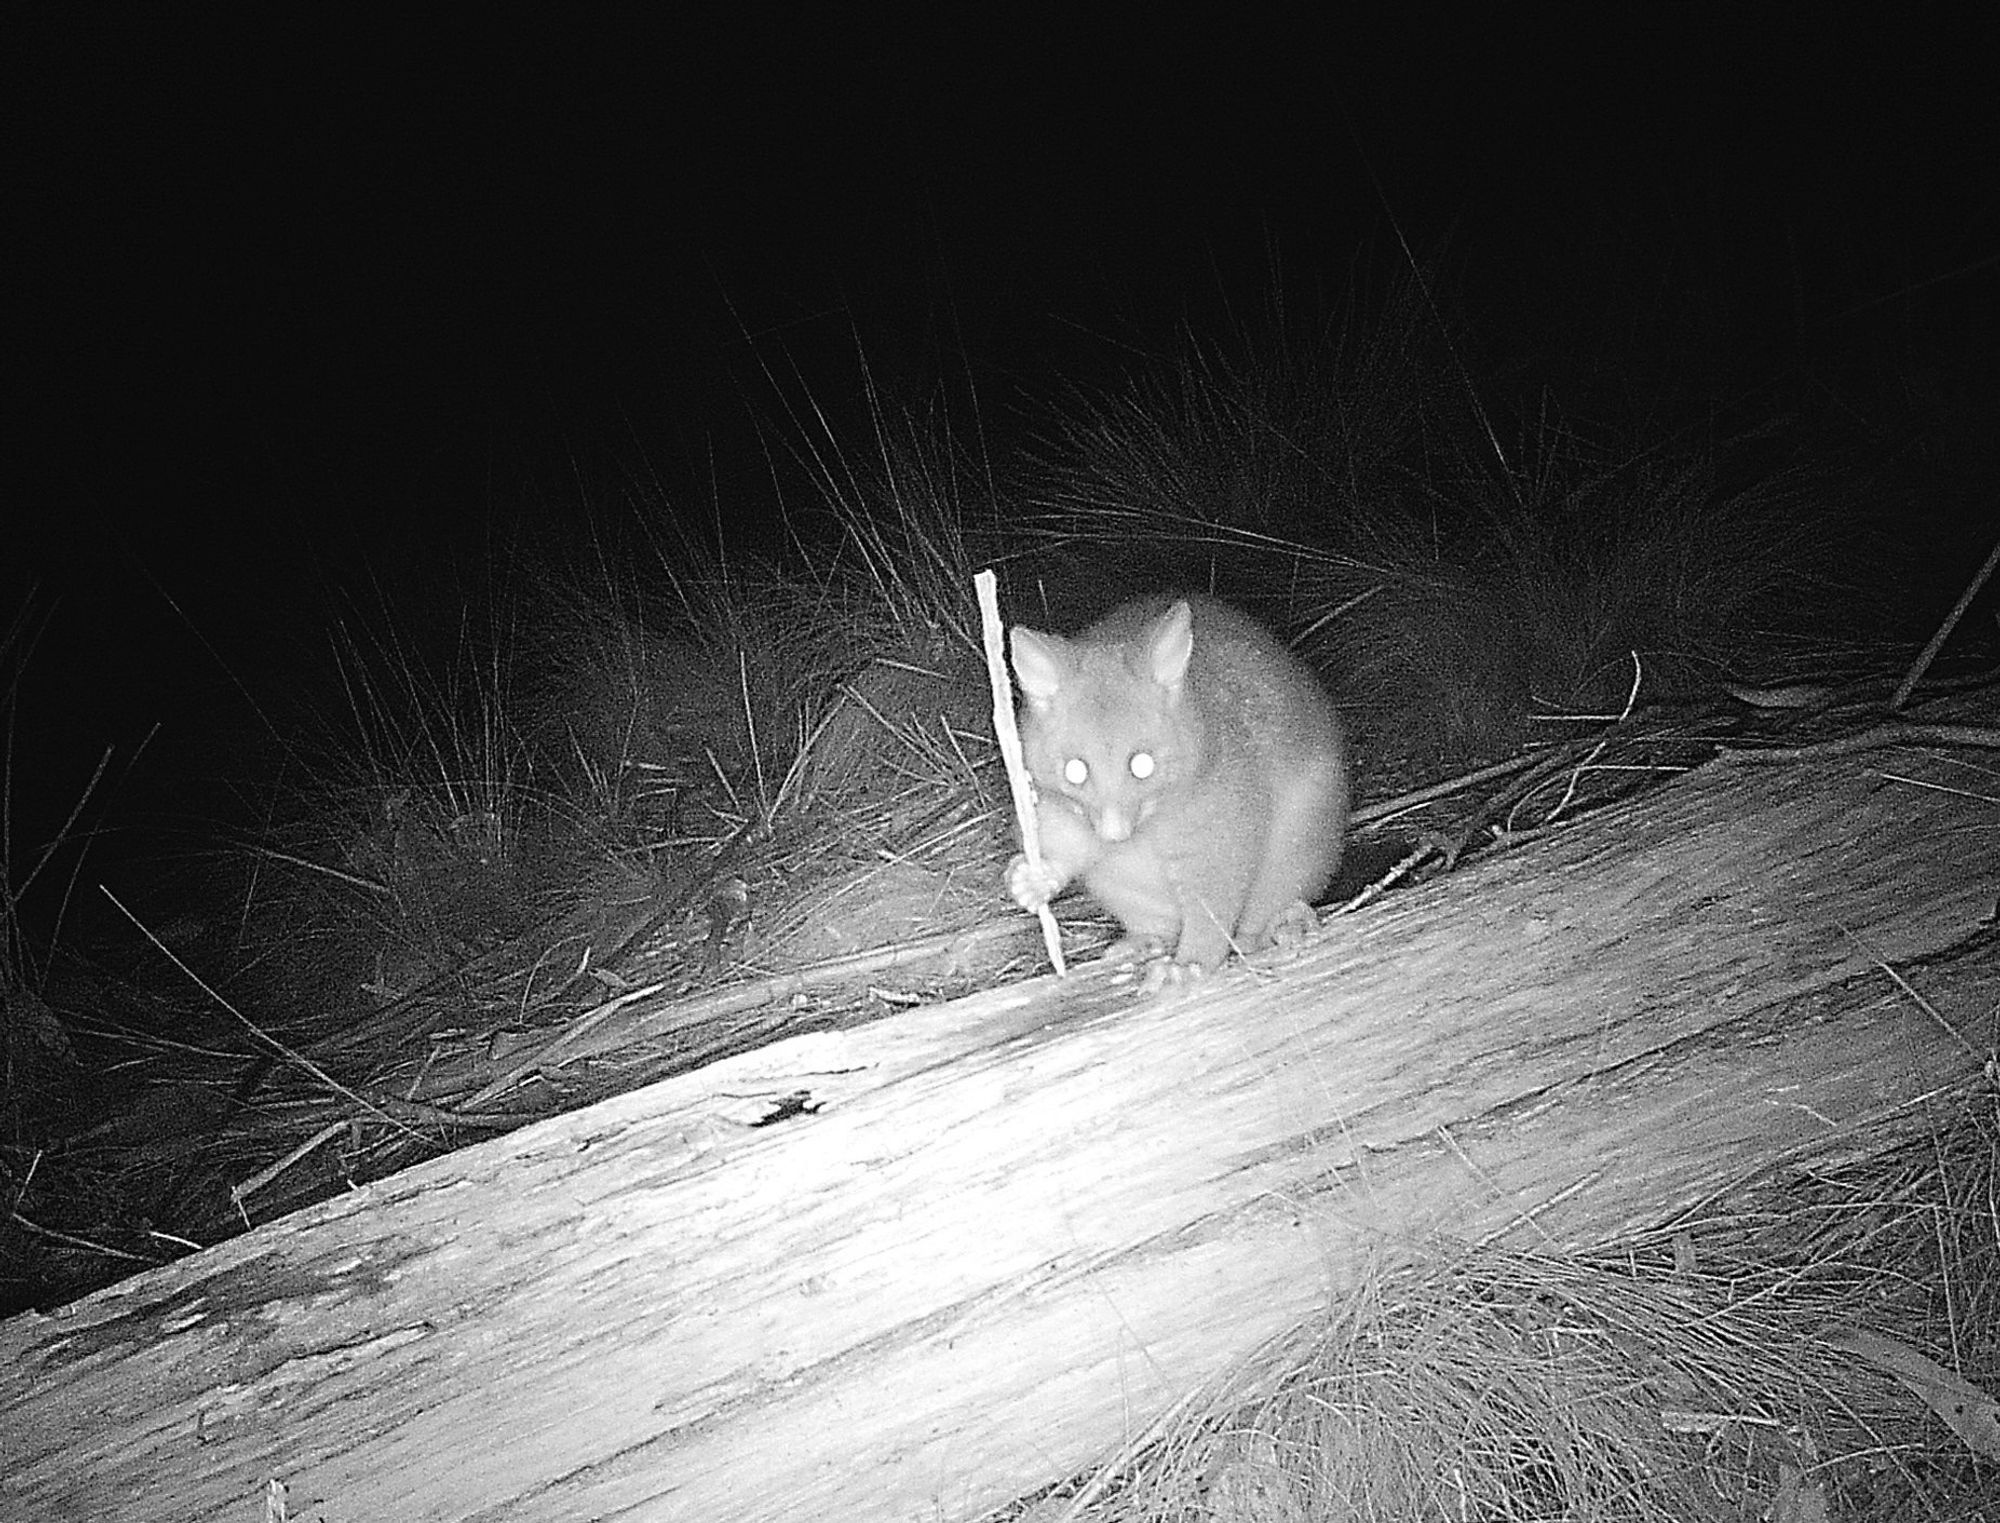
1038 666
1169 643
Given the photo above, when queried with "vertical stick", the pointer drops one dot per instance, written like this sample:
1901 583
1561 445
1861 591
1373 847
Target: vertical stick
1018 782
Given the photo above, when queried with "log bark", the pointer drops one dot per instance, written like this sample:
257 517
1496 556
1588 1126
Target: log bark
913 1269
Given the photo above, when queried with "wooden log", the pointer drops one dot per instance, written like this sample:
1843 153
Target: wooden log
913 1269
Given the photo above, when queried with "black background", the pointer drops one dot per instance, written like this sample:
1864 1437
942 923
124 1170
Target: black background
331 301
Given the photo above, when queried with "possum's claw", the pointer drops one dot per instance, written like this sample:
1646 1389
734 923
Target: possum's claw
1163 974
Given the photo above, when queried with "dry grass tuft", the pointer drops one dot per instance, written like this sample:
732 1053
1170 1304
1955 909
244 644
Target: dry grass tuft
1695 1374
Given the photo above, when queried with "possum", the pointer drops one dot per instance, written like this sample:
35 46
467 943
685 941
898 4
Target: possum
1190 771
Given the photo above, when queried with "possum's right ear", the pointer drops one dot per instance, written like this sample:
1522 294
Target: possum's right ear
1037 666
1169 643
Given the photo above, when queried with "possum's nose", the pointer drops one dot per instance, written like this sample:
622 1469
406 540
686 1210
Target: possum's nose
1114 825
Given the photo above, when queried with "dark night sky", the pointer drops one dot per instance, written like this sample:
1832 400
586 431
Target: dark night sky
290 301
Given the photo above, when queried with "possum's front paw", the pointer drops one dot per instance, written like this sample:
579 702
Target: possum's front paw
1033 884
1134 951
1163 974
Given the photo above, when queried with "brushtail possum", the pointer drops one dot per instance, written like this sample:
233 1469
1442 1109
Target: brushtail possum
1189 770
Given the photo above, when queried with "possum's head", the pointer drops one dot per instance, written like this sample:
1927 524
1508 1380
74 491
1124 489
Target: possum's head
1103 728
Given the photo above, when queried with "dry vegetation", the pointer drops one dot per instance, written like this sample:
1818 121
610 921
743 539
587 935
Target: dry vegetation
1711 1370
665 802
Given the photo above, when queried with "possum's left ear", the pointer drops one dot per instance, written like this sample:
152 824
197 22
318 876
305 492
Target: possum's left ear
1038 666
1169 643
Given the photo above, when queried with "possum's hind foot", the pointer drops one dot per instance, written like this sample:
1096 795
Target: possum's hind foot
1295 929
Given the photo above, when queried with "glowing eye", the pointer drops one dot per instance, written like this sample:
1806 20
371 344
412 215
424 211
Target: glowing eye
1141 765
1075 773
